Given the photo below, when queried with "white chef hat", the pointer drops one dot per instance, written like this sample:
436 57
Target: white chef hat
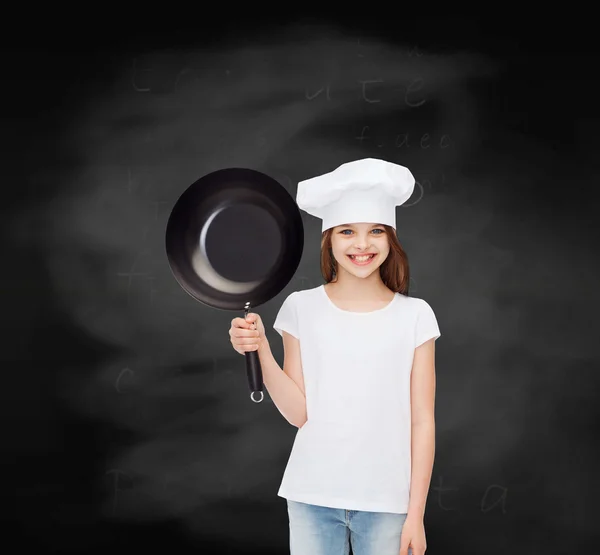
366 190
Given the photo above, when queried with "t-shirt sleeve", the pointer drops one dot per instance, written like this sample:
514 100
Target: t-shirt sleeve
287 317
427 326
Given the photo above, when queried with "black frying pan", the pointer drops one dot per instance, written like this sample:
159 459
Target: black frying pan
234 240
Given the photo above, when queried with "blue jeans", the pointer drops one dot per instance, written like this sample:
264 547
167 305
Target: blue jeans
318 530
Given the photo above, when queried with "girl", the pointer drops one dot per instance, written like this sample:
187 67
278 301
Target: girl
358 377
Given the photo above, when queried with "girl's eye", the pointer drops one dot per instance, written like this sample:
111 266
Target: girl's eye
380 231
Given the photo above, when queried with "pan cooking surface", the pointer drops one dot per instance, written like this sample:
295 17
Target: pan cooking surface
242 243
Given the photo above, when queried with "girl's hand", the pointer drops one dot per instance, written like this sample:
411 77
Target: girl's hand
413 540
247 335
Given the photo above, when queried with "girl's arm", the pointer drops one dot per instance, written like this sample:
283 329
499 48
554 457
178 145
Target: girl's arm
423 427
286 387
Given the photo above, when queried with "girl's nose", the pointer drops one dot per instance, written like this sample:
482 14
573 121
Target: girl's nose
362 243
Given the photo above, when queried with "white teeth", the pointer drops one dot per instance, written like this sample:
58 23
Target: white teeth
362 258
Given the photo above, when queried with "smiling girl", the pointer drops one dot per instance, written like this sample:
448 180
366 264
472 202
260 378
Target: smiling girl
358 377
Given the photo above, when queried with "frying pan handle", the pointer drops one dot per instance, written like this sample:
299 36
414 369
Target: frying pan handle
255 378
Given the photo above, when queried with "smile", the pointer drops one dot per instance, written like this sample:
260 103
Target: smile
361 260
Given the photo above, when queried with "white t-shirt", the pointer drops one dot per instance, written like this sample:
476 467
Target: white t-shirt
354 451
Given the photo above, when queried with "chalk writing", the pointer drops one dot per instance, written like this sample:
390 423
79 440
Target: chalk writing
157 204
419 188
172 485
412 93
134 71
415 86
311 96
304 282
405 140
173 79
412 285
485 506
359 54
364 90
441 489
116 490
501 499
133 273
120 376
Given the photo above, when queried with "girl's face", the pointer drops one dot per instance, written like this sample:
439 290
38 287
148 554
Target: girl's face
359 248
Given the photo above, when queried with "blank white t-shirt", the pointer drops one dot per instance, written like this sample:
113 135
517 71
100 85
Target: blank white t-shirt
354 451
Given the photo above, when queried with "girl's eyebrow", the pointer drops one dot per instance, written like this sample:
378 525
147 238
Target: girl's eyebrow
350 225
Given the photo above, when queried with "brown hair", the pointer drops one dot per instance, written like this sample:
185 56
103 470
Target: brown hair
394 271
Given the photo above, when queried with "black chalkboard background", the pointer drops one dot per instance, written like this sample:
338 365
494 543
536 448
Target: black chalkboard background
126 421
